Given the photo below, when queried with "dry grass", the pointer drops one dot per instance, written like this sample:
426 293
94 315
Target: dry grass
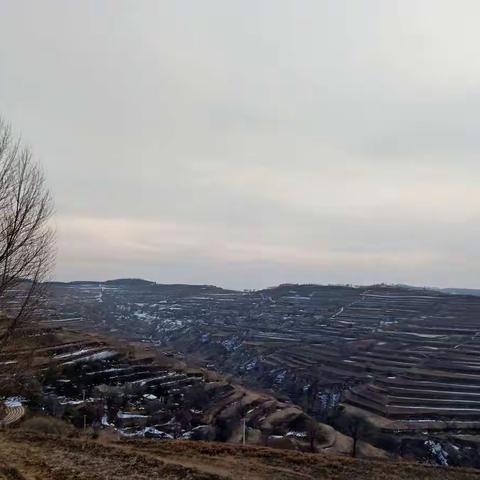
48 425
34 455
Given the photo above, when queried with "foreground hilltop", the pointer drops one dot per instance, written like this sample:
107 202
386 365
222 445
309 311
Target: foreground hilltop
25 456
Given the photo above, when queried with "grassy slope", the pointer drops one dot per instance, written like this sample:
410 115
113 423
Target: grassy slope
28 456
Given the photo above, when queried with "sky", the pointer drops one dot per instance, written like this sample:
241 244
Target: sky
246 143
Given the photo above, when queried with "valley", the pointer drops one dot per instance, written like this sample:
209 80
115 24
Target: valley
399 364
134 391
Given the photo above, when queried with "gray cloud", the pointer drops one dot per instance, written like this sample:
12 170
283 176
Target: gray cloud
250 143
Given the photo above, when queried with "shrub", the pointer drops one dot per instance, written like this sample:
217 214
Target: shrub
26 386
47 425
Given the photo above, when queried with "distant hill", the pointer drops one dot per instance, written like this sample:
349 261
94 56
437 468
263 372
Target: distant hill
281 289
462 291
140 282
131 282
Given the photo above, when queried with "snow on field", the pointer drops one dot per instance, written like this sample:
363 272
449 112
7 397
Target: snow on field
144 316
108 370
72 402
130 415
437 452
150 396
145 381
250 365
14 402
146 432
296 434
105 421
91 358
73 354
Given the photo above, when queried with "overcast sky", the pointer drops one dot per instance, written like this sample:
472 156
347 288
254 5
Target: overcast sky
251 142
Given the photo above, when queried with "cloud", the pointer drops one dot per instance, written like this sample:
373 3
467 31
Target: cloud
253 143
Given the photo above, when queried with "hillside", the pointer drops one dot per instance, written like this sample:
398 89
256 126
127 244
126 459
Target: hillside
131 389
385 371
28 456
401 359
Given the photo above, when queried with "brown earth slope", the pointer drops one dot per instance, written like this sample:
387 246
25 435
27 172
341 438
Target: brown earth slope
31 456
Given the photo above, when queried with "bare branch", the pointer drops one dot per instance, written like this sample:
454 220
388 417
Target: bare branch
26 239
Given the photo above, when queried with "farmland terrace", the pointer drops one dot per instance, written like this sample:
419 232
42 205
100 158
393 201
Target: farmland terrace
407 357
134 391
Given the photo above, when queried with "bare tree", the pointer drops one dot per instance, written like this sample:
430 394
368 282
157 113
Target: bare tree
313 431
355 429
26 238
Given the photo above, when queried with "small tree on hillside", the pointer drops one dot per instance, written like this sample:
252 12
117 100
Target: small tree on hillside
26 239
312 434
355 429
359 429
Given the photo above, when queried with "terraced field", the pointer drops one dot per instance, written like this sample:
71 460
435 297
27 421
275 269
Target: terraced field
423 358
134 391
405 358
